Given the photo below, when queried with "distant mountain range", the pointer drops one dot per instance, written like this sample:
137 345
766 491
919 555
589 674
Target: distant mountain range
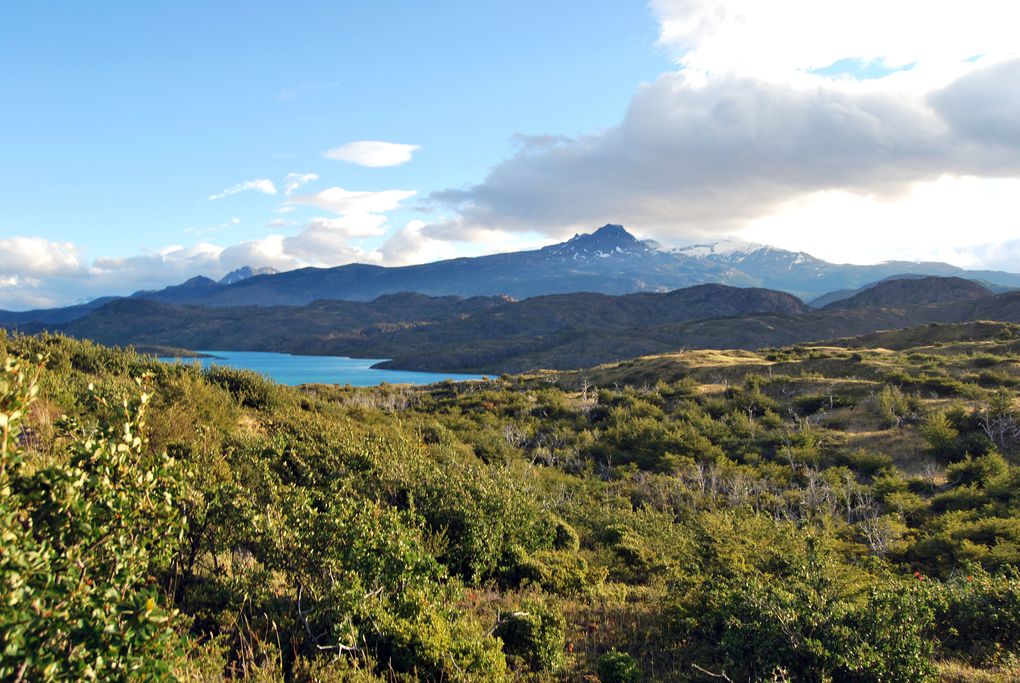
608 261
808 277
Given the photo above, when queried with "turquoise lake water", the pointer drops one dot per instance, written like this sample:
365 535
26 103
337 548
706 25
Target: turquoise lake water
287 369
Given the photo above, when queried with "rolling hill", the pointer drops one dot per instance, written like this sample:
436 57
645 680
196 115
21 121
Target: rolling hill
497 334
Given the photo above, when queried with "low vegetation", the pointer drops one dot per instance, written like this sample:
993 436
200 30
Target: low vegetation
830 512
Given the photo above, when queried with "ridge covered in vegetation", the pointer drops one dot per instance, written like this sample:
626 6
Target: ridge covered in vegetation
847 511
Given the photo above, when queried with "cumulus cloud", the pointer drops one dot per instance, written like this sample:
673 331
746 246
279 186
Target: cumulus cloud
260 184
694 159
372 153
747 124
36 257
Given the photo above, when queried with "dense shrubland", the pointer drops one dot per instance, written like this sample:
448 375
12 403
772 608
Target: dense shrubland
808 513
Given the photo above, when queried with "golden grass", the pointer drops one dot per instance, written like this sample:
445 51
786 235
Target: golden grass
959 672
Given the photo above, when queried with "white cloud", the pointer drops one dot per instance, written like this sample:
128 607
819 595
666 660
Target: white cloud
261 184
953 219
780 38
418 242
372 153
36 256
695 159
341 201
744 130
296 180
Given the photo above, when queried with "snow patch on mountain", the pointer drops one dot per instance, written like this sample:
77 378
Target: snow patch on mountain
727 248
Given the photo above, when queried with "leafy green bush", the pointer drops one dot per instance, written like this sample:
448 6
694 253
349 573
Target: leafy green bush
535 636
617 667
894 406
565 537
250 389
811 616
977 616
84 538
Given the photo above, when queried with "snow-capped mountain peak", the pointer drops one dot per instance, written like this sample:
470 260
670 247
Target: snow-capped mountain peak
246 272
728 247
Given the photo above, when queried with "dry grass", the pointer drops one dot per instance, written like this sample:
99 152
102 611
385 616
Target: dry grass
959 672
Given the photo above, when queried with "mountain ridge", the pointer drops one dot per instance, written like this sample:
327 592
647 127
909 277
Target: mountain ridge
609 260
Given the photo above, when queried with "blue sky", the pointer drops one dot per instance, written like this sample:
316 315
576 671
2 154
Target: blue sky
121 118
145 143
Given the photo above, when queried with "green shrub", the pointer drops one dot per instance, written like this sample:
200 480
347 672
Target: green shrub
810 615
979 471
84 538
566 538
894 406
940 434
248 388
617 667
554 571
535 636
977 616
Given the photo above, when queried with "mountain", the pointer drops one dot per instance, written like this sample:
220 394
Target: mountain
195 288
608 261
562 331
840 294
809 277
51 316
246 272
305 329
914 291
555 332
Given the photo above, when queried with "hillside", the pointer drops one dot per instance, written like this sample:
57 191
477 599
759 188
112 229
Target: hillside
465 346
605 525
913 292
140 321
421 330
495 335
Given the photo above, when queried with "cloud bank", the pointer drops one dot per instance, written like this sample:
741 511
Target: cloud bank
747 125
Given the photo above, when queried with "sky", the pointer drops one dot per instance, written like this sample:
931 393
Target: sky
142 144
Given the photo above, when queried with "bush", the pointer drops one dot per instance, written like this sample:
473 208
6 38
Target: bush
554 571
894 406
566 538
84 537
534 636
978 471
977 616
617 667
940 434
812 618
249 388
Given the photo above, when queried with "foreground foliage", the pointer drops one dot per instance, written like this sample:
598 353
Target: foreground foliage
810 513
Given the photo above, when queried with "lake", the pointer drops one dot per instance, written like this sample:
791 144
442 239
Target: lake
287 369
